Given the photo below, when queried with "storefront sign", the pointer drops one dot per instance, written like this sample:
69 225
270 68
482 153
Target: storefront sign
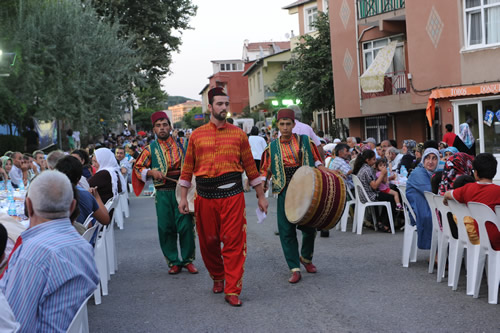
482 89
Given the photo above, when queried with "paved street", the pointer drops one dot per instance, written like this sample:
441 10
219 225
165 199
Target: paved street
360 287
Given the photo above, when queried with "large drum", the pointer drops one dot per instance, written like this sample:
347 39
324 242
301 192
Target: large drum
190 196
315 198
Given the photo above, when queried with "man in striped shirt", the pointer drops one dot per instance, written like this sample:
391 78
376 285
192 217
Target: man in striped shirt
51 270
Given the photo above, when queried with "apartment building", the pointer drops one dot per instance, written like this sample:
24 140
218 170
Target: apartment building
180 110
439 63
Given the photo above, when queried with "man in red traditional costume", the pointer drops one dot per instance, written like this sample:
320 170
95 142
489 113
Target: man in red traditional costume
217 155
162 161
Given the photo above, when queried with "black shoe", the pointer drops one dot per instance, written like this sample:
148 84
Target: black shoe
324 233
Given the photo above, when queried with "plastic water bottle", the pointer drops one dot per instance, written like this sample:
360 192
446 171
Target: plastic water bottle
21 186
403 172
9 185
12 211
10 195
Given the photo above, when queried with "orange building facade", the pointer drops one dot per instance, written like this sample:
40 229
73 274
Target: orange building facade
450 44
180 110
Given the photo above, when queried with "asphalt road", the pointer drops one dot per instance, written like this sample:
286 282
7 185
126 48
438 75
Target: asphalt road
360 286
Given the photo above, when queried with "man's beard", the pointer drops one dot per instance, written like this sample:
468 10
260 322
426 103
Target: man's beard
219 116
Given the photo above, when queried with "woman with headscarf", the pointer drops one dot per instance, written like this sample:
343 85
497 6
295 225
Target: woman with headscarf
5 167
458 164
419 182
408 151
107 179
465 141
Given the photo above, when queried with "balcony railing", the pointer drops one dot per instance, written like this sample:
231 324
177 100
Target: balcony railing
367 8
395 83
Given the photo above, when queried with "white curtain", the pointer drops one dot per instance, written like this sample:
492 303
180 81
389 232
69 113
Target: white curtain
493 25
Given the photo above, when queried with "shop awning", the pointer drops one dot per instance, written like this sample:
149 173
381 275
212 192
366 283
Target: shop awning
483 89
372 80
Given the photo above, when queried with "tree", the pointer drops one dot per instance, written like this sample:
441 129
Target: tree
153 25
308 76
71 66
189 120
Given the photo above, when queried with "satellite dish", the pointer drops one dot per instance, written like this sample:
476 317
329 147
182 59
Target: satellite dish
287 35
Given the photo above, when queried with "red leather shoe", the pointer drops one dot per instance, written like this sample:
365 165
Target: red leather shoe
310 268
233 300
295 277
191 268
218 287
175 269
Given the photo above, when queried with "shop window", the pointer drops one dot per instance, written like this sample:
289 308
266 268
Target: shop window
482 23
491 130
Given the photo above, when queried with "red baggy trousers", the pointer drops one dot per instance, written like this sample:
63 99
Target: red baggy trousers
223 221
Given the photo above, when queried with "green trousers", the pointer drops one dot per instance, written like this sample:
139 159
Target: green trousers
170 224
288 237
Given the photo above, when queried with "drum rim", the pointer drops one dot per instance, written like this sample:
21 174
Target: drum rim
309 200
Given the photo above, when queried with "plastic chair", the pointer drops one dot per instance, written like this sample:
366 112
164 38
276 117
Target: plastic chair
436 230
461 211
110 235
360 209
101 261
482 213
343 220
124 204
87 235
118 214
446 239
89 219
80 322
410 233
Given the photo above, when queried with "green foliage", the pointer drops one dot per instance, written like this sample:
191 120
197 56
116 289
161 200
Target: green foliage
71 66
151 99
190 121
309 75
11 142
174 100
154 26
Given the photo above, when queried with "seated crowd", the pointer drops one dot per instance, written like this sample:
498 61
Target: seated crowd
47 270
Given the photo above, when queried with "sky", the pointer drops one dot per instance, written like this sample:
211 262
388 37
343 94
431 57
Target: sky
220 27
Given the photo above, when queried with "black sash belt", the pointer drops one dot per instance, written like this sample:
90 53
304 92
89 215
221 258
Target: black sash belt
209 188
169 185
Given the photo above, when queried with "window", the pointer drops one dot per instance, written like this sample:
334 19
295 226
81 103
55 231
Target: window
482 23
371 48
310 14
325 6
231 67
259 83
376 127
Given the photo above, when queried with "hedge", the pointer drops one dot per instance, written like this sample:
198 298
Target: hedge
12 143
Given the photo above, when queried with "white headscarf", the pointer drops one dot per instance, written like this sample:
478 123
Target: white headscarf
107 161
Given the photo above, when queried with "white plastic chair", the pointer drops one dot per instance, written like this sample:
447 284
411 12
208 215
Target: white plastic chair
110 235
446 239
482 213
437 233
343 220
87 235
118 214
101 261
124 204
360 209
410 232
80 322
89 219
461 211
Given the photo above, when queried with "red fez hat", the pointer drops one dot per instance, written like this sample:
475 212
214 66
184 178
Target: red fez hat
217 91
159 115
286 113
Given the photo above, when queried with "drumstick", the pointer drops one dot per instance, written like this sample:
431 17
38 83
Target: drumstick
171 179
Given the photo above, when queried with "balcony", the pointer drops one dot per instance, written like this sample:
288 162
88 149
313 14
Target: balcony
368 8
395 83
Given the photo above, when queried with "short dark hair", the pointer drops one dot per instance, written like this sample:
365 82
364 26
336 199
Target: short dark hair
340 146
449 127
120 147
254 131
37 152
83 155
321 133
71 167
431 144
394 143
462 180
358 139
180 134
485 165
230 120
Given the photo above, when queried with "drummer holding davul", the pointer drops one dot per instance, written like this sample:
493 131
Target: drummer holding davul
280 160
162 161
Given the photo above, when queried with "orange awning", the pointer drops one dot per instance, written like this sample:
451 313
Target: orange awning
483 89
